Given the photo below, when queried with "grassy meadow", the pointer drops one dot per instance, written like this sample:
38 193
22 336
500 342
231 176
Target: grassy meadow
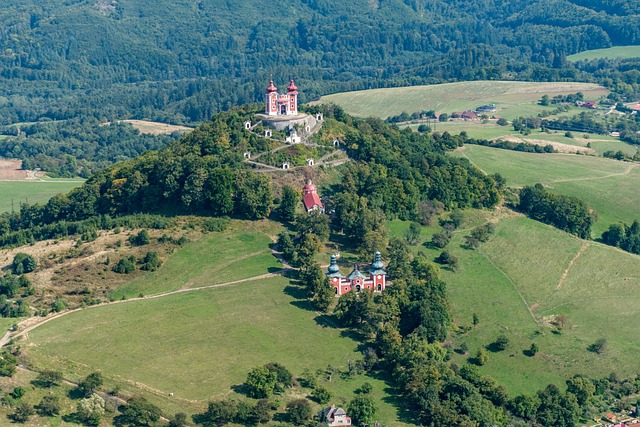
608 186
520 280
32 191
611 52
512 99
199 345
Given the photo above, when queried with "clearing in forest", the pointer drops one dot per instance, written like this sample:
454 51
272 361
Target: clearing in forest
611 52
512 98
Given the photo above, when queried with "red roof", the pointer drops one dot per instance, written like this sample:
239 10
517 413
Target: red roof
272 87
310 197
292 87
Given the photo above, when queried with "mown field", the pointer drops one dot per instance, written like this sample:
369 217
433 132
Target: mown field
32 191
608 186
612 52
512 99
201 344
524 276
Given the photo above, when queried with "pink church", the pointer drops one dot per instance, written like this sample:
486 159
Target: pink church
281 104
376 281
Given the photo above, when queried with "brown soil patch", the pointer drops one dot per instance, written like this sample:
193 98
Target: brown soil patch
557 146
12 170
156 128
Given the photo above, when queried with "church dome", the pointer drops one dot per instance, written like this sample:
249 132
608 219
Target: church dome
333 267
377 263
292 87
309 187
272 87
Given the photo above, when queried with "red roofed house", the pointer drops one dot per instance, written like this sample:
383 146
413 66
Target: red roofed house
334 417
311 199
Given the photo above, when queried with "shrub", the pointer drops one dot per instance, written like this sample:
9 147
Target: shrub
23 263
124 266
151 261
140 239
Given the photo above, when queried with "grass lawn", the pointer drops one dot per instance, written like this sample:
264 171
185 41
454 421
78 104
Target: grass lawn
240 252
200 344
612 52
32 191
513 99
526 273
608 186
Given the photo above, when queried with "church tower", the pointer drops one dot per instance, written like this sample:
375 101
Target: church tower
271 100
292 91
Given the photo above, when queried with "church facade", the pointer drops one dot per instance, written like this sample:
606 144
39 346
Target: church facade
375 281
281 104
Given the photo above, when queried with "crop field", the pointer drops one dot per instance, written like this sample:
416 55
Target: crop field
16 192
512 99
608 186
156 128
612 52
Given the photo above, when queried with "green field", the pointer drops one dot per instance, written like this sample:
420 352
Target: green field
612 52
608 186
514 283
200 344
32 191
238 253
513 99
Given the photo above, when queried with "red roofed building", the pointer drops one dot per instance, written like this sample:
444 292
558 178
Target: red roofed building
311 199
376 281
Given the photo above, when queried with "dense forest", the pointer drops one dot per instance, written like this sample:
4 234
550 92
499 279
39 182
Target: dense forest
182 61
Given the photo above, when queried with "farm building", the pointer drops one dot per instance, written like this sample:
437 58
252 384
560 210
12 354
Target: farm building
376 281
281 104
310 198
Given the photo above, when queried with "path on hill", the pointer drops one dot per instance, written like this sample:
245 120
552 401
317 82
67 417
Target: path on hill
565 273
30 324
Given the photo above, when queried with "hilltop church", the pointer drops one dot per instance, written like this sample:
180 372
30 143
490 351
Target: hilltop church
285 104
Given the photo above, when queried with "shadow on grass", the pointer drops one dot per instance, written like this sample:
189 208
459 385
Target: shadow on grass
394 398
75 394
528 353
494 347
72 418
327 321
240 389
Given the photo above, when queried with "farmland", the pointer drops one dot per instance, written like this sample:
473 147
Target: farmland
608 186
512 99
12 193
612 52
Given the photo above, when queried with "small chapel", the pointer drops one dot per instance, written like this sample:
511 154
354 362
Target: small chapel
310 198
281 104
375 281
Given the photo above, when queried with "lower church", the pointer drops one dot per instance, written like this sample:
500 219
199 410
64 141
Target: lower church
375 281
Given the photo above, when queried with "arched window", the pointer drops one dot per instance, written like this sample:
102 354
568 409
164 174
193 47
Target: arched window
357 288
336 290
379 287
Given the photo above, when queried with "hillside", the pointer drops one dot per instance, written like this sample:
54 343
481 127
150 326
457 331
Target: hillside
181 61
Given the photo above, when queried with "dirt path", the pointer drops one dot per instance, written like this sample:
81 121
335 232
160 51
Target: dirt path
565 273
10 335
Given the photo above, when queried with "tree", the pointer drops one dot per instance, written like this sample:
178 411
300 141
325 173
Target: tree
124 266
140 239
544 100
262 411
283 375
285 246
481 357
501 343
90 384
362 410
260 382
412 234
46 379
91 410
475 319
8 364
49 406
321 395
582 388
288 203
298 411
440 240
324 297
23 412
151 261
533 350
23 263
600 346
178 420
138 412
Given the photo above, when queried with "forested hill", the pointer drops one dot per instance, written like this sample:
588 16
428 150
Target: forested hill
394 173
184 60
